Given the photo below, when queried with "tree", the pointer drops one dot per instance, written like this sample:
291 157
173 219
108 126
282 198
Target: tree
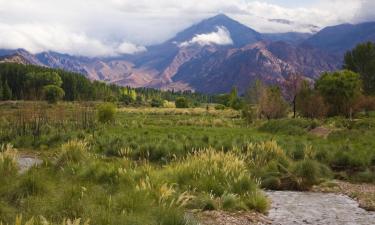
255 93
309 103
7 92
340 90
272 105
362 60
182 102
53 93
293 85
1 89
37 80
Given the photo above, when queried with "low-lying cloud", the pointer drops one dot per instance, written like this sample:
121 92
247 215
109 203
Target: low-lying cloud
220 37
38 38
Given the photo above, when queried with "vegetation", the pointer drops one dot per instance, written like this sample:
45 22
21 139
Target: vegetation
362 60
140 156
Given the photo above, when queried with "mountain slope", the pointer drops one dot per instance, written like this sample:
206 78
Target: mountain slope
341 38
270 62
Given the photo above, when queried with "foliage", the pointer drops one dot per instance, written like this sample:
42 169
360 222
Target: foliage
53 93
157 103
182 103
106 112
340 90
272 105
26 82
7 92
362 60
310 104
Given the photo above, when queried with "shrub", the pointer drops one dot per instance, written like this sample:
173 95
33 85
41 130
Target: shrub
72 152
182 103
229 201
8 161
53 93
106 112
257 201
156 103
31 184
309 173
220 107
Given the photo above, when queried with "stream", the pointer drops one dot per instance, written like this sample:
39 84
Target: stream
26 162
291 208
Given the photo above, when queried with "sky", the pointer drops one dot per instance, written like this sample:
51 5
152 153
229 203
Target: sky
113 27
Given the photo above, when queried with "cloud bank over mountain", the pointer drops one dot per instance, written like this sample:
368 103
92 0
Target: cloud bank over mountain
220 37
111 27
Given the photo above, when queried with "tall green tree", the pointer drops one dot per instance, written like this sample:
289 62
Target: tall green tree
7 92
1 89
37 80
362 60
340 90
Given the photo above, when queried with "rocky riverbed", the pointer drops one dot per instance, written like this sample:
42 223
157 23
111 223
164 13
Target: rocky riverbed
289 208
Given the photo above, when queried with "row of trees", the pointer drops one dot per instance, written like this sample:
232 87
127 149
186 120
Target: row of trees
28 82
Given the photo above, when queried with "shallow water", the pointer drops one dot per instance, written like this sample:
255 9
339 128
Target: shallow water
290 208
26 162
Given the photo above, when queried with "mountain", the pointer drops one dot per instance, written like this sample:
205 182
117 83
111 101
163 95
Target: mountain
210 56
240 34
341 38
289 37
19 56
271 62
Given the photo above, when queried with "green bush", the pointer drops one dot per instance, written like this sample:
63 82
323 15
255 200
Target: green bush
53 93
182 103
106 112
156 103
257 201
220 107
309 173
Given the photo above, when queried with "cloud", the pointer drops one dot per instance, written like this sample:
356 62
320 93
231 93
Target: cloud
130 48
38 38
366 11
220 37
99 27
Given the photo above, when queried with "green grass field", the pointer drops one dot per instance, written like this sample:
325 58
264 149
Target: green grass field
150 165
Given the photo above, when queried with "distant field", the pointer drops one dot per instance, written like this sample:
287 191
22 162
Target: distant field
168 161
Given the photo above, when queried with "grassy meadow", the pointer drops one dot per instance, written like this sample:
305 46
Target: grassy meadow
149 166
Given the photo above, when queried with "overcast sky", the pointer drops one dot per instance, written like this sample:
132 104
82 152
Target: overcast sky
110 27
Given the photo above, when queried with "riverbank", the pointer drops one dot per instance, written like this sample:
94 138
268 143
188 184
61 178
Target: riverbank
364 194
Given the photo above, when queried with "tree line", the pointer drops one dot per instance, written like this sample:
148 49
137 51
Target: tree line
29 82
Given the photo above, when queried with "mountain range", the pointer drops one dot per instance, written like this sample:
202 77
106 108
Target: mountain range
213 56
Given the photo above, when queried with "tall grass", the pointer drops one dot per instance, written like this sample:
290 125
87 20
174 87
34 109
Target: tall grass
8 161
